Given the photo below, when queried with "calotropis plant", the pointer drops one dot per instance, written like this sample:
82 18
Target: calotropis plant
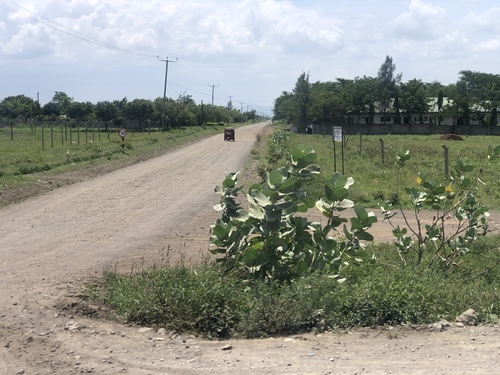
436 241
269 239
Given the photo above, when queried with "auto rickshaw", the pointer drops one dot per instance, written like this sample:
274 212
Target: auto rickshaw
228 134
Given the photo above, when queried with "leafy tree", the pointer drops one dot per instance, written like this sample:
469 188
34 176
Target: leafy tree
186 99
414 99
359 97
386 85
252 115
327 104
180 115
462 102
397 110
106 111
140 110
18 107
303 98
63 101
284 107
434 88
80 111
494 117
483 91
51 110
440 100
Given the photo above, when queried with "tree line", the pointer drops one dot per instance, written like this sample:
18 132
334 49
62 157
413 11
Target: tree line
167 114
475 96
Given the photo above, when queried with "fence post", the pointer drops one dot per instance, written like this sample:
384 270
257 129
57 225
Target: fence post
360 143
43 137
382 149
51 135
62 134
446 170
11 130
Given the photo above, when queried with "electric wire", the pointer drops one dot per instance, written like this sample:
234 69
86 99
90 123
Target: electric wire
182 73
26 13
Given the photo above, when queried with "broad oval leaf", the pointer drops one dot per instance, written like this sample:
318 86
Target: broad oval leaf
260 198
365 236
274 178
346 203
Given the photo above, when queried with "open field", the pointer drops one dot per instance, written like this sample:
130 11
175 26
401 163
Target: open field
370 160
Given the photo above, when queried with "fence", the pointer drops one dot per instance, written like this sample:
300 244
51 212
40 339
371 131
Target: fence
414 129
69 132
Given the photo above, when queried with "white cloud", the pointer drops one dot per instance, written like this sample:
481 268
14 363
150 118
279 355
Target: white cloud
254 49
487 21
492 45
422 21
209 28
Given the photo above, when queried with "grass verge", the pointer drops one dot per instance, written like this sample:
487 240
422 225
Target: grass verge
201 300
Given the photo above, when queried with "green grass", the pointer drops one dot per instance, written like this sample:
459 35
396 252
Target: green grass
24 154
376 182
200 300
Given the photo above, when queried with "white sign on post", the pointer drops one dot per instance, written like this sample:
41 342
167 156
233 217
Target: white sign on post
337 134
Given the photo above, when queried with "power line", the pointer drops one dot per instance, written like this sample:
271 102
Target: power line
28 14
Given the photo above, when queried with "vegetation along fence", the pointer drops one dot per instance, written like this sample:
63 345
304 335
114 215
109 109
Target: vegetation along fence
50 133
414 129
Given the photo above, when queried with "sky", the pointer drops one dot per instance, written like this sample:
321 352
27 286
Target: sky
246 51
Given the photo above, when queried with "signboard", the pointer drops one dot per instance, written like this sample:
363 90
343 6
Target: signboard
123 134
338 137
337 134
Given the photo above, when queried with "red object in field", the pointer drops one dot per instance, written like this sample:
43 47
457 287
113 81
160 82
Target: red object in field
229 134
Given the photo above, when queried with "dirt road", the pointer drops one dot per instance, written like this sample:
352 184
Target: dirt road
50 244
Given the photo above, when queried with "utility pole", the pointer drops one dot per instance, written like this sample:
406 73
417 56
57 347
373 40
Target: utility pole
202 114
230 102
213 87
166 61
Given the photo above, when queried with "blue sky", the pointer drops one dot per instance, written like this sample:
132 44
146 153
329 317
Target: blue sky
252 50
